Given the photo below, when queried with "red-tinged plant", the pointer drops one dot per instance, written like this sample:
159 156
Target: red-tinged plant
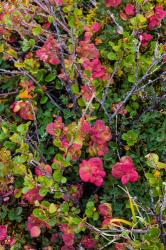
88 242
154 22
125 170
33 195
35 231
54 237
97 70
92 171
43 169
68 239
113 3
98 149
156 19
49 53
57 2
100 133
108 223
87 92
34 226
76 191
10 241
85 126
159 12
90 31
66 229
105 209
119 108
3 232
55 127
93 28
130 10
87 50
145 39
120 246
67 247
29 85
24 110
101 64
74 151
68 235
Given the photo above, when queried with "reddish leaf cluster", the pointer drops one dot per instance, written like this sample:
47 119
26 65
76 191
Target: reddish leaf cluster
118 107
57 2
145 39
3 232
49 53
155 20
130 10
87 50
67 236
113 3
120 246
90 54
92 171
125 170
87 92
24 110
105 210
100 135
33 195
34 226
88 242
54 127
4 238
43 169
96 69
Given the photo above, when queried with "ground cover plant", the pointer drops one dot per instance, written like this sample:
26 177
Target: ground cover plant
82 124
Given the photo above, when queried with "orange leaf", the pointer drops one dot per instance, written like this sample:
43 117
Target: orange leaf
25 95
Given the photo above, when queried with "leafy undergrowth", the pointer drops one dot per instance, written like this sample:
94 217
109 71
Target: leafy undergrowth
82 114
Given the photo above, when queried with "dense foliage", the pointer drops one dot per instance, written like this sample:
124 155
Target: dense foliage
82 115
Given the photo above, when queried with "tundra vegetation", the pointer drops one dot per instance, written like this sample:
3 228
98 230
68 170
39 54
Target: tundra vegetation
82 124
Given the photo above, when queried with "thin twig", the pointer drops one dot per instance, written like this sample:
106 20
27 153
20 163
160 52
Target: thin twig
135 86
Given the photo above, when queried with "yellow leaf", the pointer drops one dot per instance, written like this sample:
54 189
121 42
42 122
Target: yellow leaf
1 48
19 65
161 165
25 95
132 209
27 3
121 221
12 53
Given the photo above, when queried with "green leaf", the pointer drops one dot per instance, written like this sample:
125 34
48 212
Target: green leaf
57 175
75 88
23 128
50 77
43 191
95 216
64 207
51 19
37 31
111 56
20 159
19 169
39 213
131 137
43 100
